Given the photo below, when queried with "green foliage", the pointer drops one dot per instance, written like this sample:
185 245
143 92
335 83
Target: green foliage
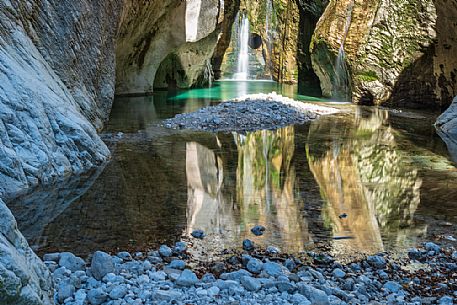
368 76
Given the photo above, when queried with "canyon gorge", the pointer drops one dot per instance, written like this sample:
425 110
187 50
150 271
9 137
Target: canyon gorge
63 62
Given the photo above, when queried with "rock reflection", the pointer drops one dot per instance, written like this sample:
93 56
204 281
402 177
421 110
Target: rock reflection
362 173
266 186
265 190
207 209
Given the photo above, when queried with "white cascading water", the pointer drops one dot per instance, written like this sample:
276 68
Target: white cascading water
268 31
342 88
243 56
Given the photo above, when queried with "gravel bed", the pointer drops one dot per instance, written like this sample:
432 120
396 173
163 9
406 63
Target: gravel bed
254 276
249 113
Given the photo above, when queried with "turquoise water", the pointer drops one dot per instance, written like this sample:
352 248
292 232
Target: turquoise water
225 90
387 170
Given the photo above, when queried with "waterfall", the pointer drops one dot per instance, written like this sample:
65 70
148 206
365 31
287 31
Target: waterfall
269 33
243 55
342 86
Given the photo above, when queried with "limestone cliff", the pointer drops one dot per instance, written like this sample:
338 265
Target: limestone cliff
150 31
399 52
56 88
24 279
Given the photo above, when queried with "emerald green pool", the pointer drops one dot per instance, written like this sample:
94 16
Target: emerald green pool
386 170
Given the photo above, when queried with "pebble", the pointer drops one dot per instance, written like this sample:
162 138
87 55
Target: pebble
254 265
248 245
432 247
338 273
187 278
198 234
101 265
165 251
258 230
71 262
250 283
96 296
134 280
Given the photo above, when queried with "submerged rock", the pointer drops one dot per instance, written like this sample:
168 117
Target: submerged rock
200 234
258 230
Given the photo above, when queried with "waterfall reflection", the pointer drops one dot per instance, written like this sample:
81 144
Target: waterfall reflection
265 190
362 173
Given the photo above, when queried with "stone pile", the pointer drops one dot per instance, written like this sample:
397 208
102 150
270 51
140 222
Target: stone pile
424 276
249 113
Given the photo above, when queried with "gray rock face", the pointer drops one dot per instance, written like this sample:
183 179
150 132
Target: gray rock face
56 86
101 265
446 125
25 279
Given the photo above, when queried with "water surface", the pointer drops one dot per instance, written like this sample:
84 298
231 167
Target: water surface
386 170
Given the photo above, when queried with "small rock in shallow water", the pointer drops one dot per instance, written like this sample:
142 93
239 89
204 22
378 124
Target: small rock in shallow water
432 247
272 250
198 234
258 230
248 245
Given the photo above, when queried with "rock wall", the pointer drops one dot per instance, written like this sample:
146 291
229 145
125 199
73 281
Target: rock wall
446 125
56 89
397 52
150 31
24 279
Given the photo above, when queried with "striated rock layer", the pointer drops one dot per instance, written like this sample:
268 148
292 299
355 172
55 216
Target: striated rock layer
24 279
399 52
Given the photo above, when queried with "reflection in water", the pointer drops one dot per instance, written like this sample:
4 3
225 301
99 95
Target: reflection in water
265 190
207 208
387 172
266 185
362 173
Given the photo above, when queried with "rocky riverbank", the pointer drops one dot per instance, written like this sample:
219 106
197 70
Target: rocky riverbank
171 276
248 113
